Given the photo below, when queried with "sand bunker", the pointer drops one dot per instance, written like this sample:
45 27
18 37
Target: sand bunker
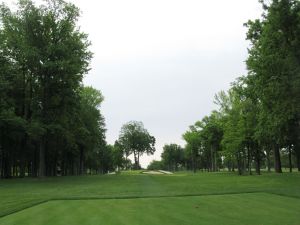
165 172
111 173
156 172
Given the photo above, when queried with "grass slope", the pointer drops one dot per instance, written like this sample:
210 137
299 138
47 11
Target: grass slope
18 194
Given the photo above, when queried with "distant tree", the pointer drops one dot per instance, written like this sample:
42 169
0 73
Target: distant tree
106 159
156 165
211 133
118 156
193 146
172 156
135 139
204 142
234 130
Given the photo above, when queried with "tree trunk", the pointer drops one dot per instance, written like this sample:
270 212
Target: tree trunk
22 156
297 151
35 164
194 165
277 161
249 160
6 166
135 160
268 161
126 162
257 161
138 161
239 164
212 158
298 161
290 159
81 161
42 161
298 156
215 159
193 162
1 161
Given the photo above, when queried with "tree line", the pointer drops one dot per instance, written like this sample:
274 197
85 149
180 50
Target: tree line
50 123
258 121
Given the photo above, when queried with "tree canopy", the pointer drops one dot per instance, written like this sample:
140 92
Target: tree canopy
49 122
135 139
258 118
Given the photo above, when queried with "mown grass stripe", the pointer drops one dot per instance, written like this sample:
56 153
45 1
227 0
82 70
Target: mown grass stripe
125 198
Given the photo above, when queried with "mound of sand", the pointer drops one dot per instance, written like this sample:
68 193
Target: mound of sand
111 173
165 172
157 172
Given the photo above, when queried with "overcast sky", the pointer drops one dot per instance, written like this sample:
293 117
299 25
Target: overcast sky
162 61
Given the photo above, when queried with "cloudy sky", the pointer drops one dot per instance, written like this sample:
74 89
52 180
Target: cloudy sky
162 61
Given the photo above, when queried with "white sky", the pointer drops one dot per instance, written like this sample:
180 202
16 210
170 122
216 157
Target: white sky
162 61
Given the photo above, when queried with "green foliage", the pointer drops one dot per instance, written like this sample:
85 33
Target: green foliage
135 139
204 141
274 71
156 165
173 157
259 116
49 121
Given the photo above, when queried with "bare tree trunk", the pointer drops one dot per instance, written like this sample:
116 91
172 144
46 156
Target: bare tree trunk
298 161
257 161
249 160
211 158
42 159
81 160
215 159
194 164
7 165
297 151
239 163
135 160
126 166
277 161
268 161
290 159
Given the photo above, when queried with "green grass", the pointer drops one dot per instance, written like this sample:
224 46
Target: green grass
271 199
244 209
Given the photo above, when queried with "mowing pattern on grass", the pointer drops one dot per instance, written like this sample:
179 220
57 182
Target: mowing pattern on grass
247 209
18 194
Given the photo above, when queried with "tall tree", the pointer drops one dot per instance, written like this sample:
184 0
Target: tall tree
172 156
136 140
46 115
273 64
89 128
193 146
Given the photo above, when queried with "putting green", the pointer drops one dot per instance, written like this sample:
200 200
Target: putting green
254 208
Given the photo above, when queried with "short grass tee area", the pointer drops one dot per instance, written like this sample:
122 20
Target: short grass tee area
134 198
